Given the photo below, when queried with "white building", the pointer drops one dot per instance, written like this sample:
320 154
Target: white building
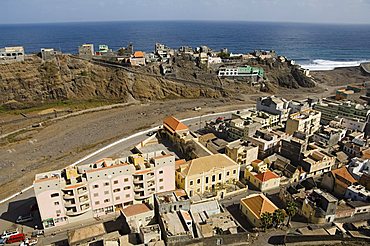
274 105
357 193
11 54
358 167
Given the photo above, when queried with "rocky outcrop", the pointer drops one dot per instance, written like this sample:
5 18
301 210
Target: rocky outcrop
69 78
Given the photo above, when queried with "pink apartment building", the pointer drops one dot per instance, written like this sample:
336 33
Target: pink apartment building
104 187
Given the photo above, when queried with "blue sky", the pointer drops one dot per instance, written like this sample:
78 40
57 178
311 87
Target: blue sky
311 11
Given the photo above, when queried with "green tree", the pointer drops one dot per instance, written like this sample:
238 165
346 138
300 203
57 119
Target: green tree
278 217
266 219
291 210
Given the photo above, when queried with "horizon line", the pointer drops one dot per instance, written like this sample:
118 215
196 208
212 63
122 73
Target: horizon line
185 20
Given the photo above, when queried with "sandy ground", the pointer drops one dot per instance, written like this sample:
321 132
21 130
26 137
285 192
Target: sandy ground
56 145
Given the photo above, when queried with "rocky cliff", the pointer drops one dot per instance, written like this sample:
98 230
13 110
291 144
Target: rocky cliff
69 78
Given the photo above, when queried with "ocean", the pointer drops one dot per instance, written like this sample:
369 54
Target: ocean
315 46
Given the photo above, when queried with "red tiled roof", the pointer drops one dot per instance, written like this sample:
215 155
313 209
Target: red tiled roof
135 209
266 176
138 54
343 172
174 124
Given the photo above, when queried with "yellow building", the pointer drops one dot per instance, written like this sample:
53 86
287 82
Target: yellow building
306 121
242 152
263 181
206 174
253 206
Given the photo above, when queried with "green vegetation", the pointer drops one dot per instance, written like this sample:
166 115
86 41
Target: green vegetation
291 210
223 55
278 217
267 220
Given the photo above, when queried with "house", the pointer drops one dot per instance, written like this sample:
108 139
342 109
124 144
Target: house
306 121
294 148
11 54
274 105
242 152
137 216
357 192
319 207
49 54
138 59
360 206
358 167
174 129
337 181
86 51
264 181
317 162
213 143
150 234
268 142
253 206
171 201
207 174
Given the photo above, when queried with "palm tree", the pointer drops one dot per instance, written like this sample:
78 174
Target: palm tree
266 219
278 217
291 210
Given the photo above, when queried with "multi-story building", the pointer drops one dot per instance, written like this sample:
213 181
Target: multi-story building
48 54
294 148
357 192
355 144
337 181
11 54
348 124
331 109
242 152
242 129
274 105
317 162
244 71
306 121
268 142
86 51
207 174
359 167
138 59
87 191
163 51
319 207
253 206
328 136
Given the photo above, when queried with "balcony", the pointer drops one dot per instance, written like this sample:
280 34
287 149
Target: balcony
151 185
138 188
68 196
138 179
69 205
84 199
82 192
142 195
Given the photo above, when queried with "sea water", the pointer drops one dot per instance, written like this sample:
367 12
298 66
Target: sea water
315 46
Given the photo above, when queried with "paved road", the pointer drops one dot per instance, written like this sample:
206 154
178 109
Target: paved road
20 204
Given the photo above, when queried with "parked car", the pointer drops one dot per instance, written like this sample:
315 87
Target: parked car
151 133
29 242
24 218
7 234
2 241
16 238
37 233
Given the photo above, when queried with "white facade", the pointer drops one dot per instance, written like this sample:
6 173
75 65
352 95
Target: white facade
357 193
11 54
358 167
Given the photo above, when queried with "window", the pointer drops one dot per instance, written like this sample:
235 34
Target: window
127 195
213 178
191 182
117 197
220 176
160 180
198 190
54 195
207 179
234 171
228 173
125 179
96 194
106 192
106 184
95 186
127 188
106 200
56 203
117 190
97 203
160 171
198 181
115 182
161 187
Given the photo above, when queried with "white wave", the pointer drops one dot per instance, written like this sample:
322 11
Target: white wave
325 65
